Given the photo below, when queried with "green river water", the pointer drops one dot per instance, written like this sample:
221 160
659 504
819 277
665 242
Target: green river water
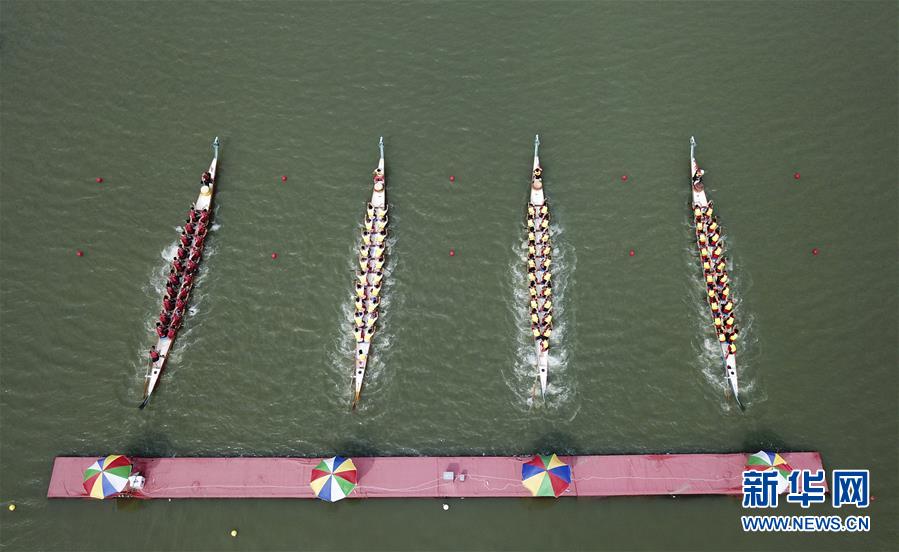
134 92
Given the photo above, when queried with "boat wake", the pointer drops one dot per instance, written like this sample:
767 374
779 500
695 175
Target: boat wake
521 378
154 289
709 361
340 354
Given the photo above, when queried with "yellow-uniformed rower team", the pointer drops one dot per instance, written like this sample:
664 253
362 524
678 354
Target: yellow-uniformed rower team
539 261
714 270
370 275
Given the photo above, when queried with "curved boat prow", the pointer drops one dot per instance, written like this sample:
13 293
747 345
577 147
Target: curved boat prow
381 148
730 371
543 371
536 151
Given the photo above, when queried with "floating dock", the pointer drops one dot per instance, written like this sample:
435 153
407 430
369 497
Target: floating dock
428 477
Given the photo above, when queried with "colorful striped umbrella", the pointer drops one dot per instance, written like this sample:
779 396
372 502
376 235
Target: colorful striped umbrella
546 475
333 478
764 461
107 476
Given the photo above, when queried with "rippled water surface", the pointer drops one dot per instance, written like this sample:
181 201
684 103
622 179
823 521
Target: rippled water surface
134 93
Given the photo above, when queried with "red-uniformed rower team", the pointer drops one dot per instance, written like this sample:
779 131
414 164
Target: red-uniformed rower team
539 260
183 272
714 270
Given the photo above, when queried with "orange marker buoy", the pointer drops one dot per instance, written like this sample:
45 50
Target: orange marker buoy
797 176
79 253
99 180
274 256
284 178
452 178
452 252
815 251
624 178
631 253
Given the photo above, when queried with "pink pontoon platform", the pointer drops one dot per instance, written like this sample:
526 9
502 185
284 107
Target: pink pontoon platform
428 477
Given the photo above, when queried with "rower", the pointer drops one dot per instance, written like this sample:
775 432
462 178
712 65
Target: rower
704 253
366 238
195 255
378 238
708 212
182 295
181 253
703 239
548 319
546 263
721 266
377 251
164 318
531 210
547 305
366 335
206 178
718 323
176 265
198 241
532 276
176 319
544 237
732 336
713 304
189 228
531 264
714 238
374 291
360 290
369 224
171 333
533 304
188 280
154 354
357 333
380 225
204 216
730 322
191 266
547 291
370 210
201 229
169 289
179 304
533 291
544 224
372 318
160 330
722 280
362 278
358 320
359 303
530 224
379 264
534 318
706 266
732 349
729 306
538 172
725 292
173 278
363 264
377 277
547 250
531 238
544 342
536 331
713 223
532 250
697 213
717 252
721 337
185 239
373 304
709 279
547 276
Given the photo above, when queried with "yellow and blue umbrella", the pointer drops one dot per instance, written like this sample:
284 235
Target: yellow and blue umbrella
333 478
546 475
771 461
107 476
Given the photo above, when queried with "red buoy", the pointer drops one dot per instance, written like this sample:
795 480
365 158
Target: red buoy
624 178
79 253
99 180
452 252
815 251
631 252
274 255
284 178
797 176
452 178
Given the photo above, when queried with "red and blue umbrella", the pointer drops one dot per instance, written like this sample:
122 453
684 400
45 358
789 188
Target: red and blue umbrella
546 475
107 476
333 478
